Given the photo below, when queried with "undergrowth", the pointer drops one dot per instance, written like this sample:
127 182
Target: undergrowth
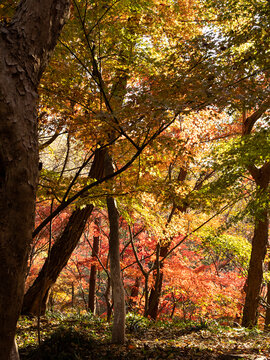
83 336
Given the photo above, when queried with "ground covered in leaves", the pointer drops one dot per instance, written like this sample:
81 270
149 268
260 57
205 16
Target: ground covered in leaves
82 336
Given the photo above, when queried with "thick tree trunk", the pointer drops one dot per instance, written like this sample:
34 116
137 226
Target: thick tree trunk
93 272
18 180
25 46
118 331
255 272
34 302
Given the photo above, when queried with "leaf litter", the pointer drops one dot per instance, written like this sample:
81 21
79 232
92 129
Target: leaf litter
86 338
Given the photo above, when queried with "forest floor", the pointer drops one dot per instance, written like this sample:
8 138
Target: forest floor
84 337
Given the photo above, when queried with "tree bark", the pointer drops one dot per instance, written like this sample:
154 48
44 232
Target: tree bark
25 47
35 299
155 293
109 306
154 298
255 272
261 177
259 248
118 331
93 272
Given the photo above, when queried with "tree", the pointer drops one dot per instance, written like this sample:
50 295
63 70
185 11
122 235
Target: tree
26 44
93 270
241 55
35 299
260 172
118 331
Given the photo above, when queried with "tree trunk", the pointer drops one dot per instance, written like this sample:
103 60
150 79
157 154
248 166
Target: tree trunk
267 313
35 299
109 306
25 47
260 238
118 331
259 247
134 293
255 272
162 251
93 272
154 298
155 293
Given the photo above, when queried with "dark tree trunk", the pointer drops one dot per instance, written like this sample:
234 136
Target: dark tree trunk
255 272
35 299
154 298
135 288
118 331
155 293
134 293
109 306
25 47
260 237
162 251
259 248
93 272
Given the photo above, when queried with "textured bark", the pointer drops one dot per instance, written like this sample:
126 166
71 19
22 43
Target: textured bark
25 47
118 331
35 299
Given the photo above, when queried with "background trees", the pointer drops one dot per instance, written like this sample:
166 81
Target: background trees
161 78
148 85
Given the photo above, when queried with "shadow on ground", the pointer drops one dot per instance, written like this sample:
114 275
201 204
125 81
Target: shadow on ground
69 344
